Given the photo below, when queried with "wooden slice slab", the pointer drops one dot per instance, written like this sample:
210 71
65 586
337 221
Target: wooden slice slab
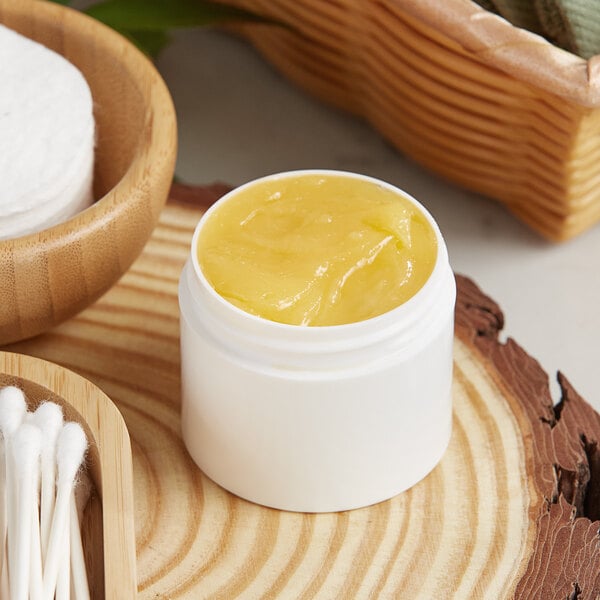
512 510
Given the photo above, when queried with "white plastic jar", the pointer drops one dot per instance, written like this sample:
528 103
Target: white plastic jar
317 419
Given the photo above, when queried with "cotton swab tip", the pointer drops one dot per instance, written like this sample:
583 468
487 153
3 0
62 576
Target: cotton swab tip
26 445
12 410
70 450
48 417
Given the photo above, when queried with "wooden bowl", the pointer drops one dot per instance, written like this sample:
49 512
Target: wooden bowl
490 106
49 276
108 526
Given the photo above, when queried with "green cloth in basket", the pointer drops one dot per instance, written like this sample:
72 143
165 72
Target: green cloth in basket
571 24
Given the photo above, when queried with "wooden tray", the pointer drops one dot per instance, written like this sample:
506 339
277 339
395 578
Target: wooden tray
511 511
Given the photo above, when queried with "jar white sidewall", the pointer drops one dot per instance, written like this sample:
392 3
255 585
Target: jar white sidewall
339 441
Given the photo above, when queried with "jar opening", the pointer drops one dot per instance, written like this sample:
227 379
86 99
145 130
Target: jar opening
317 248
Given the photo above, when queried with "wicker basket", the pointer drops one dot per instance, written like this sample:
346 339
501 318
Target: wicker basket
492 107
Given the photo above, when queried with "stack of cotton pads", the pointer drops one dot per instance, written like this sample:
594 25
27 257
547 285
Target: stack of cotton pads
46 137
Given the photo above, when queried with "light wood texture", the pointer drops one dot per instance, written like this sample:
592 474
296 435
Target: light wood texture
108 526
49 276
485 104
491 521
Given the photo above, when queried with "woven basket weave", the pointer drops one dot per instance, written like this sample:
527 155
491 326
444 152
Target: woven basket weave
492 107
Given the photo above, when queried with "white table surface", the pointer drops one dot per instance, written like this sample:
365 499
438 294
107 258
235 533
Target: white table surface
240 119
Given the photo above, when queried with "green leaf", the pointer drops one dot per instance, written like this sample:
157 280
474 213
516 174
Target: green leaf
65 2
158 15
149 42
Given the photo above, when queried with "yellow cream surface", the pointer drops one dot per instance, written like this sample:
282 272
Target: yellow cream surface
317 249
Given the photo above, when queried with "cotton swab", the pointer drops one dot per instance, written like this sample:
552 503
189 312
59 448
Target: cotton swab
78 573
63 581
13 408
71 447
25 448
35 575
49 418
4 589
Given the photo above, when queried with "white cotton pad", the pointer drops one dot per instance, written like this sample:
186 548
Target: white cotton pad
46 137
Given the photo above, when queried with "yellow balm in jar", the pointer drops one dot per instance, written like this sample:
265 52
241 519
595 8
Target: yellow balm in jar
322 249
317 313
